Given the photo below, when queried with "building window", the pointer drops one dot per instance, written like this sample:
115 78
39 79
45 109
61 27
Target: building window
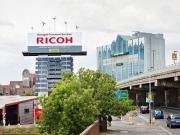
26 111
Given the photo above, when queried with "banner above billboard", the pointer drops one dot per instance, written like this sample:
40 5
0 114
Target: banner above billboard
55 39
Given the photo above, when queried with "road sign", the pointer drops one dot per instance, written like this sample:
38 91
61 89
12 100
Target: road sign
150 96
174 56
121 94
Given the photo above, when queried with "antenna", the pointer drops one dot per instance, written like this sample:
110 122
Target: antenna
66 25
54 23
43 25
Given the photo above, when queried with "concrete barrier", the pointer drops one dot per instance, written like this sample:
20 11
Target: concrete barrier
93 129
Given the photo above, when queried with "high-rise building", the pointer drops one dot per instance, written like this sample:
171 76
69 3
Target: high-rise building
49 71
128 56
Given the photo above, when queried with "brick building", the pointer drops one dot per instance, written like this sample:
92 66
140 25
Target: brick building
19 87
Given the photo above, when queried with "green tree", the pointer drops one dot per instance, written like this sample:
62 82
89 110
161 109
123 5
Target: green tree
78 99
103 86
69 109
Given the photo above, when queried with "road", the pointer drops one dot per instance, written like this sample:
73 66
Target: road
141 119
161 123
140 125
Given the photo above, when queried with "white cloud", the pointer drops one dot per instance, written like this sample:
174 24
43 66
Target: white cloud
99 20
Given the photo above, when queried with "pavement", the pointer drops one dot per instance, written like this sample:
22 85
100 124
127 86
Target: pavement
138 126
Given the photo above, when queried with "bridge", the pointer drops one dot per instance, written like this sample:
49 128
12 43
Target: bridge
163 83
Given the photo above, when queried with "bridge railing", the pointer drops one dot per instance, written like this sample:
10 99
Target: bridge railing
151 73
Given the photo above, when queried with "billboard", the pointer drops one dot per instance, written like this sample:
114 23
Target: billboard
59 43
55 39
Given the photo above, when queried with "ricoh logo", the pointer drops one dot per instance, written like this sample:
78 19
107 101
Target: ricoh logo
54 40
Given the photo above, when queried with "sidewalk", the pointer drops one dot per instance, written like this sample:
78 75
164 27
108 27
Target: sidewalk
138 127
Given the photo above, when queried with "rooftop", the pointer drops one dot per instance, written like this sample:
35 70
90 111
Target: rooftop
11 100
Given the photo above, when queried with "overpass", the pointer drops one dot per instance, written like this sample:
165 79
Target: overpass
164 84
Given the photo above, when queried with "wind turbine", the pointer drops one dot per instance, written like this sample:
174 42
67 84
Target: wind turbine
54 23
32 28
66 25
43 25
77 27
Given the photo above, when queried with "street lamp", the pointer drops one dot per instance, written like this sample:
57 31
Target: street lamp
150 95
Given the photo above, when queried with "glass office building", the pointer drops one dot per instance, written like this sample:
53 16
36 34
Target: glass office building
129 56
49 71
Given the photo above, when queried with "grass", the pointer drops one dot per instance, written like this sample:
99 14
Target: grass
22 130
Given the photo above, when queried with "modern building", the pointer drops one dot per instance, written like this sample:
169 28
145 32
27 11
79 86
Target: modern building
128 56
49 70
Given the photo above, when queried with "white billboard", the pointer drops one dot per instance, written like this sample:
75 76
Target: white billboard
55 39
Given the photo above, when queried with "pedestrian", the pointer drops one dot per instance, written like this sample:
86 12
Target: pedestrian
109 119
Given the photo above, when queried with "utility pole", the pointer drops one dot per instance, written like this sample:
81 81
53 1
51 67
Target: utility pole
150 83
150 95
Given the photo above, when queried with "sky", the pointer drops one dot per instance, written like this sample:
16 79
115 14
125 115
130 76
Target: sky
100 21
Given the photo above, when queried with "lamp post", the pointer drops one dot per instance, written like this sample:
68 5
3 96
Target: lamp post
150 95
150 92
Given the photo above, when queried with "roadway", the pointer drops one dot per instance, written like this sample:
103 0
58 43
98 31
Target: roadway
141 126
161 123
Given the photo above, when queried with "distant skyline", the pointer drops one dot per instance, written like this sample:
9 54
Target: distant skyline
100 21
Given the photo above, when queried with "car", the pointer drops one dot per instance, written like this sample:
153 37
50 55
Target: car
158 114
173 120
144 109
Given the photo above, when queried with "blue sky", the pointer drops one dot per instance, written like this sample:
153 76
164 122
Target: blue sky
99 20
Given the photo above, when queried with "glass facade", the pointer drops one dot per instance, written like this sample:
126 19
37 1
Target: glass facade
49 70
129 56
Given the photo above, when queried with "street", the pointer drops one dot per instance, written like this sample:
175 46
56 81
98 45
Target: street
140 125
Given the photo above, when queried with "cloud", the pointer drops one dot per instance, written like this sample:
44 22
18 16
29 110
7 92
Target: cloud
100 21
6 24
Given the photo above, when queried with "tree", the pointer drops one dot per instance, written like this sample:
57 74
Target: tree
103 86
78 100
69 109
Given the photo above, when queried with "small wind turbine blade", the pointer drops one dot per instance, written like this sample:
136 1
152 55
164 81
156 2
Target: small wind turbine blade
77 27
43 23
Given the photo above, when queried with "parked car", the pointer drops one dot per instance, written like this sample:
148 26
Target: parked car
144 109
173 120
158 114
